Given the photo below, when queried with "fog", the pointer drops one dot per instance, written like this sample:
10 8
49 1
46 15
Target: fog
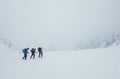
57 24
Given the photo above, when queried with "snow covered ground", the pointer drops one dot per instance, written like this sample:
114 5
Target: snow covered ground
83 64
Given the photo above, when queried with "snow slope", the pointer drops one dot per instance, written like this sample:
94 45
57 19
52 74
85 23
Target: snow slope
84 64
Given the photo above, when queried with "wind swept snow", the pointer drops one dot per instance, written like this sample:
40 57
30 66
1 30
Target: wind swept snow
84 64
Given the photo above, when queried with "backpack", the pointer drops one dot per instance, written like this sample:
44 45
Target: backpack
33 50
39 49
24 50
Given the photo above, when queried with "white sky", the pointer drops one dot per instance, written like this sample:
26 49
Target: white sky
57 23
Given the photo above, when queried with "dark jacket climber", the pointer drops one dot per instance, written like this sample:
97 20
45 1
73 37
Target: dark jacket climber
40 52
33 51
25 51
